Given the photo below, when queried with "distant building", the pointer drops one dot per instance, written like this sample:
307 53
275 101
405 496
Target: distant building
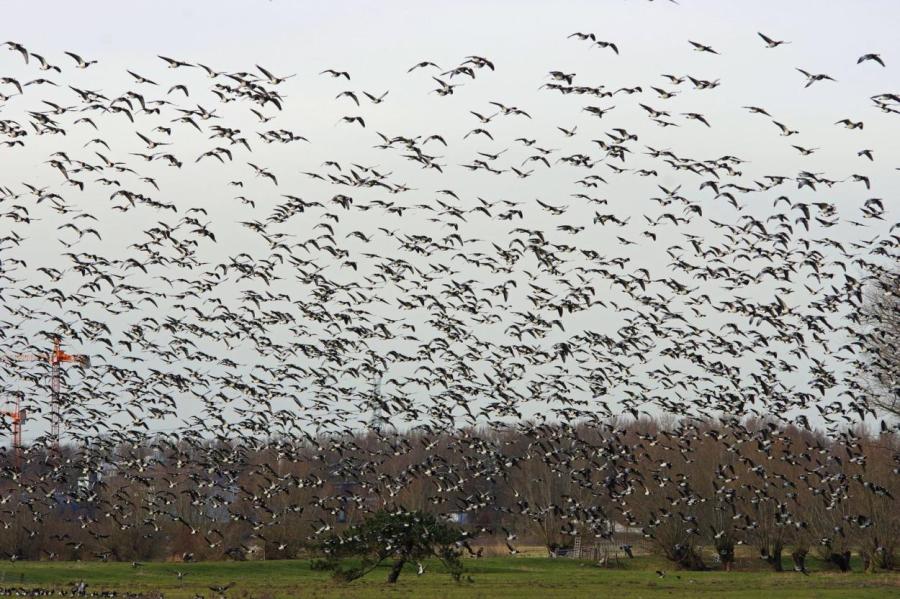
459 517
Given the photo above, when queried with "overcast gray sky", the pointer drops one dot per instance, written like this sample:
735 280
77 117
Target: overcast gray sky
376 42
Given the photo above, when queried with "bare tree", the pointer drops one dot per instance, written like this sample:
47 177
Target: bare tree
881 316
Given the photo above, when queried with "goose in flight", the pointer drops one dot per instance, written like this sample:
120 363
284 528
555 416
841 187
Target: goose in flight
609 45
17 47
850 124
80 62
141 79
348 94
375 99
757 110
771 43
422 65
46 66
810 78
479 62
805 151
174 64
702 47
354 119
336 74
272 78
872 57
696 117
560 76
262 172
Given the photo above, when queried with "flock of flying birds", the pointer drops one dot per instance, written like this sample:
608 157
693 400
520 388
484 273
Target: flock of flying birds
290 300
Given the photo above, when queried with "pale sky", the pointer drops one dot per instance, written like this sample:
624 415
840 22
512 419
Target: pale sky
376 42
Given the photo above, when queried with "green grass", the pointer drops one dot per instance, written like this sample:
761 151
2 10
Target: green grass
491 578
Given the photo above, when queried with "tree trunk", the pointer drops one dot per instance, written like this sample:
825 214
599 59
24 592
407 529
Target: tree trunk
841 560
799 557
725 551
775 557
688 558
395 570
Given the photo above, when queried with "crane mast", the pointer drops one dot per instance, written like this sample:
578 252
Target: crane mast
55 358
17 418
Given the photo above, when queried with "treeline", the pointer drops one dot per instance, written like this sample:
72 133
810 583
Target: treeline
685 487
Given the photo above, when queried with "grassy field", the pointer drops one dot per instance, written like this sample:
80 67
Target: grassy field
487 578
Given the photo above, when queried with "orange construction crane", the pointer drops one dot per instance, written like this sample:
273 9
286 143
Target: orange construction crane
55 358
17 416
